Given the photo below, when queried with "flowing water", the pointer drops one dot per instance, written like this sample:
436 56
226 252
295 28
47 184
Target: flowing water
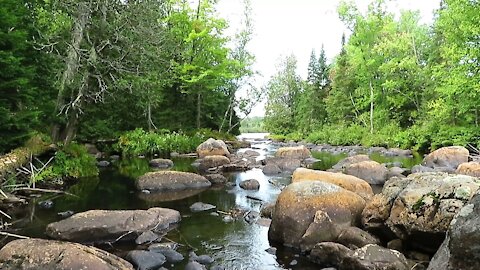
235 244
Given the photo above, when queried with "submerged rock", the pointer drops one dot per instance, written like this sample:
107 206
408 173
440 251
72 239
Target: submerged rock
200 207
161 163
348 182
169 195
147 237
56 255
105 225
171 180
212 147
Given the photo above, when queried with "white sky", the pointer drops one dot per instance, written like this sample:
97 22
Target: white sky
284 27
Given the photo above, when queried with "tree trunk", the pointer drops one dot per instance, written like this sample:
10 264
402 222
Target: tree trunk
199 110
371 107
71 62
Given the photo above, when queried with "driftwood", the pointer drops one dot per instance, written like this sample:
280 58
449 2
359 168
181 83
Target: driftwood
40 190
14 235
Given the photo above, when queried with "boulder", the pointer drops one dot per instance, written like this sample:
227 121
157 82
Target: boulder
421 169
168 195
460 250
146 260
266 210
329 254
469 168
342 164
216 178
395 172
170 254
212 147
374 257
298 204
397 152
171 180
353 237
56 255
210 162
451 157
161 163
348 182
106 225
271 169
284 164
250 184
251 153
421 205
200 207
295 152
147 237
369 170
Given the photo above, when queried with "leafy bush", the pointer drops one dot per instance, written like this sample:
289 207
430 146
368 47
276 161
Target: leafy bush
71 161
140 142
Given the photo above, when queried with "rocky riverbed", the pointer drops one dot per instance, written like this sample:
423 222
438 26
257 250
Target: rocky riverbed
260 207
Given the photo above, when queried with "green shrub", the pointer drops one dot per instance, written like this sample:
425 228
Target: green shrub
71 161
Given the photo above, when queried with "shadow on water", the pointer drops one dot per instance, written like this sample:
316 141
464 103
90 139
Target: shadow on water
235 245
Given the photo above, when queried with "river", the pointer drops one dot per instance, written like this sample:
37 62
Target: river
233 244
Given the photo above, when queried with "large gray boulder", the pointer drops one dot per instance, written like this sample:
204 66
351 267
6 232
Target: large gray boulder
461 248
210 162
56 255
294 152
98 226
374 257
171 180
422 204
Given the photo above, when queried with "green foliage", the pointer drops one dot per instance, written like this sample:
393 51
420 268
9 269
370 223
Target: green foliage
140 142
252 125
71 161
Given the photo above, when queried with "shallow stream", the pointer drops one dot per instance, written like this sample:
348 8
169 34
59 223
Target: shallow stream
235 244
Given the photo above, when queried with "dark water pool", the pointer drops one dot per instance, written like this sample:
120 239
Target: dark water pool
235 245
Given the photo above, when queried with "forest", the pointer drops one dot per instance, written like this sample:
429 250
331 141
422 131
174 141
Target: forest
93 70
396 82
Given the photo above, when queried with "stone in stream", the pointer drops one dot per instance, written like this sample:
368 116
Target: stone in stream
271 250
250 184
271 169
371 171
451 157
202 259
103 163
374 257
171 180
294 152
170 254
48 204
146 260
267 210
251 153
162 246
285 164
147 237
200 207
216 178
65 214
56 255
100 226
195 266
420 206
348 182
168 195
161 163
469 168
212 147
311 211
210 162
344 163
